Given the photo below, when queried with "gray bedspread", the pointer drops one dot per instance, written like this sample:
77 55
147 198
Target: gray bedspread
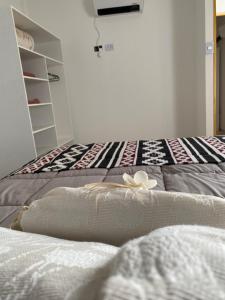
19 190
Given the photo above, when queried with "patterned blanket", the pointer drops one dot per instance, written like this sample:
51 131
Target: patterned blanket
194 150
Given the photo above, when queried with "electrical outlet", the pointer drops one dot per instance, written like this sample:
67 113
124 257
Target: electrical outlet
109 47
98 48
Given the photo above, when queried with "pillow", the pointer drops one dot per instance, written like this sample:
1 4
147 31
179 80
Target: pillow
116 215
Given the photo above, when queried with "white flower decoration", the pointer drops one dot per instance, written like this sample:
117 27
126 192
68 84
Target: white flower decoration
140 181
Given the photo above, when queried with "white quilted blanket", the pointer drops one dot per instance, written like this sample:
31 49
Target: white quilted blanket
174 263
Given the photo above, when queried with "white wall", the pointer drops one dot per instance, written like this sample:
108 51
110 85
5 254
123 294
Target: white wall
220 6
209 28
16 3
200 68
149 86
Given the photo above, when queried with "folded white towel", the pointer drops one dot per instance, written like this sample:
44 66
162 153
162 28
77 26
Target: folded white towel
24 39
115 216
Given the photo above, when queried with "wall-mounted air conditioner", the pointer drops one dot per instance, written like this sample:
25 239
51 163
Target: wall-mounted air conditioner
111 7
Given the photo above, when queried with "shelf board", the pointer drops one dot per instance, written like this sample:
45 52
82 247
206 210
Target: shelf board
35 79
51 61
29 54
39 104
36 130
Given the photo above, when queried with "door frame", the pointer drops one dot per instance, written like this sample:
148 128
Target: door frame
215 15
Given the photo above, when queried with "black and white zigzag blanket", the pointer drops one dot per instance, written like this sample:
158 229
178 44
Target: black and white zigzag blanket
195 150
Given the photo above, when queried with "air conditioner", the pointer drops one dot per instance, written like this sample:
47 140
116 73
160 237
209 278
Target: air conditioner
111 7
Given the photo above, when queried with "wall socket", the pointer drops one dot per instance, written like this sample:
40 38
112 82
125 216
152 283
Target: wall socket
98 48
109 47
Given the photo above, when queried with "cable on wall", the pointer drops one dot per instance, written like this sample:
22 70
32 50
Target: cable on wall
97 47
97 30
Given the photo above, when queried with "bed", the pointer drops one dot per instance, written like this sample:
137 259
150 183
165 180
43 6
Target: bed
36 266
193 165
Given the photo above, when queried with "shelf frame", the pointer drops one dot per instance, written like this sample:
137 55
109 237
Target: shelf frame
35 79
43 129
39 104
37 129
33 53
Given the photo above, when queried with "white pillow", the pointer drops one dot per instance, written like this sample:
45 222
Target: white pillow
117 215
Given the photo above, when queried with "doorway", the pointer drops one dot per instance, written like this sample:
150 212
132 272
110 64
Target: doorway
219 71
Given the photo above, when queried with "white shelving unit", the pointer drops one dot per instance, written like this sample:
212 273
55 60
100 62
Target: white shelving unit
29 130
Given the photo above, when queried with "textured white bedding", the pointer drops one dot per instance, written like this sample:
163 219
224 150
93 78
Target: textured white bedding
35 267
173 263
